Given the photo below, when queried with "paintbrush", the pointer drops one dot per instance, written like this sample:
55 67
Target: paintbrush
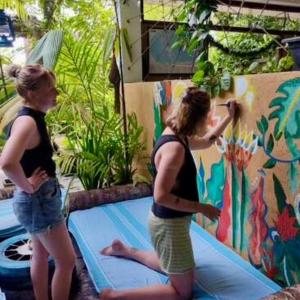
238 111
224 104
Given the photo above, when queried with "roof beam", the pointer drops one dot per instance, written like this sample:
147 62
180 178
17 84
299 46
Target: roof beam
265 6
170 25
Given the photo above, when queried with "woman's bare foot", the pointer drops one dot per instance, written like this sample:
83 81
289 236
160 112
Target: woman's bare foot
117 248
107 294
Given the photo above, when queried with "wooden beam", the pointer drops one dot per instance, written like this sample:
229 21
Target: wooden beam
171 25
255 5
255 30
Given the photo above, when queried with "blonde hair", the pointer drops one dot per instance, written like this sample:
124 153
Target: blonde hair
29 78
193 108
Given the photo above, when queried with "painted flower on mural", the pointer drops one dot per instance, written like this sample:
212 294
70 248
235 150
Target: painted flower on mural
286 237
285 225
178 90
238 145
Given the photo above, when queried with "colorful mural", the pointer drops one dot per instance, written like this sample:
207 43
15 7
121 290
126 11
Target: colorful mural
253 173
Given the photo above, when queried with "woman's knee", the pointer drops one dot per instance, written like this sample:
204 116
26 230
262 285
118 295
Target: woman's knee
40 257
185 294
183 284
66 262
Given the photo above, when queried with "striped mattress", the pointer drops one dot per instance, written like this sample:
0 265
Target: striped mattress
220 272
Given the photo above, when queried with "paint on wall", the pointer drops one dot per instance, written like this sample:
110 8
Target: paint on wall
252 174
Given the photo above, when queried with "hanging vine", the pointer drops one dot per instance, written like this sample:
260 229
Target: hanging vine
195 38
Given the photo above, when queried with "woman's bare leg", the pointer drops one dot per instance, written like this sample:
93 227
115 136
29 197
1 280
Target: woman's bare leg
147 258
59 245
179 289
39 269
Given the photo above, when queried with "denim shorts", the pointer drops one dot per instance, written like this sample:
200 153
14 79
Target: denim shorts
40 211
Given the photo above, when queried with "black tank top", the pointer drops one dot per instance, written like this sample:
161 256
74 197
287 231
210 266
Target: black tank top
186 181
40 156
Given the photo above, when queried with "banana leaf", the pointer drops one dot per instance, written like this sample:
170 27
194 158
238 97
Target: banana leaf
45 52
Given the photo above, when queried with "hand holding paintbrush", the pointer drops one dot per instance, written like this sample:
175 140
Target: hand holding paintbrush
234 109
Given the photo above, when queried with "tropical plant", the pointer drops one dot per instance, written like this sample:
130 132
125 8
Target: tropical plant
97 150
46 52
16 5
229 53
127 149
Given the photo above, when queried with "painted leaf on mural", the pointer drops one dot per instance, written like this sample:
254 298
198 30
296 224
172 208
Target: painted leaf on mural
201 181
201 189
235 206
293 177
269 164
159 127
245 201
257 220
297 208
287 110
292 147
262 125
270 144
215 184
291 263
279 193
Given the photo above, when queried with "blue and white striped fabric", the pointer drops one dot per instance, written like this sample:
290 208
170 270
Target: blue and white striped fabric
220 273
9 225
2 296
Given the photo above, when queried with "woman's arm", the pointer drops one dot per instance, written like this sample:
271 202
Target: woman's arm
170 162
197 143
23 131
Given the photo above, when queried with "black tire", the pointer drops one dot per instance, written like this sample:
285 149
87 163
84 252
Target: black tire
15 254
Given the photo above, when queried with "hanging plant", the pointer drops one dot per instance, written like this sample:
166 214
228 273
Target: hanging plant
194 37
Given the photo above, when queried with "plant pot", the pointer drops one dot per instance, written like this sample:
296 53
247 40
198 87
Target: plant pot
294 46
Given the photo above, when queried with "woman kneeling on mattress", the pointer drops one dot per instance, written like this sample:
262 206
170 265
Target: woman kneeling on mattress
175 200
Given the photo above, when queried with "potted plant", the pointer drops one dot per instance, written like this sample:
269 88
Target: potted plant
294 46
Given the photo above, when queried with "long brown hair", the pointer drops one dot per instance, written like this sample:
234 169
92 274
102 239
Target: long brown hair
193 108
29 78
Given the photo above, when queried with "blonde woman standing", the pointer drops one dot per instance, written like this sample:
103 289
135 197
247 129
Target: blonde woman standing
27 160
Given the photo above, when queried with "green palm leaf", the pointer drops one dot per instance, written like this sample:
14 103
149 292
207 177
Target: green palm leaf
84 66
47 49
45 52
287 110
